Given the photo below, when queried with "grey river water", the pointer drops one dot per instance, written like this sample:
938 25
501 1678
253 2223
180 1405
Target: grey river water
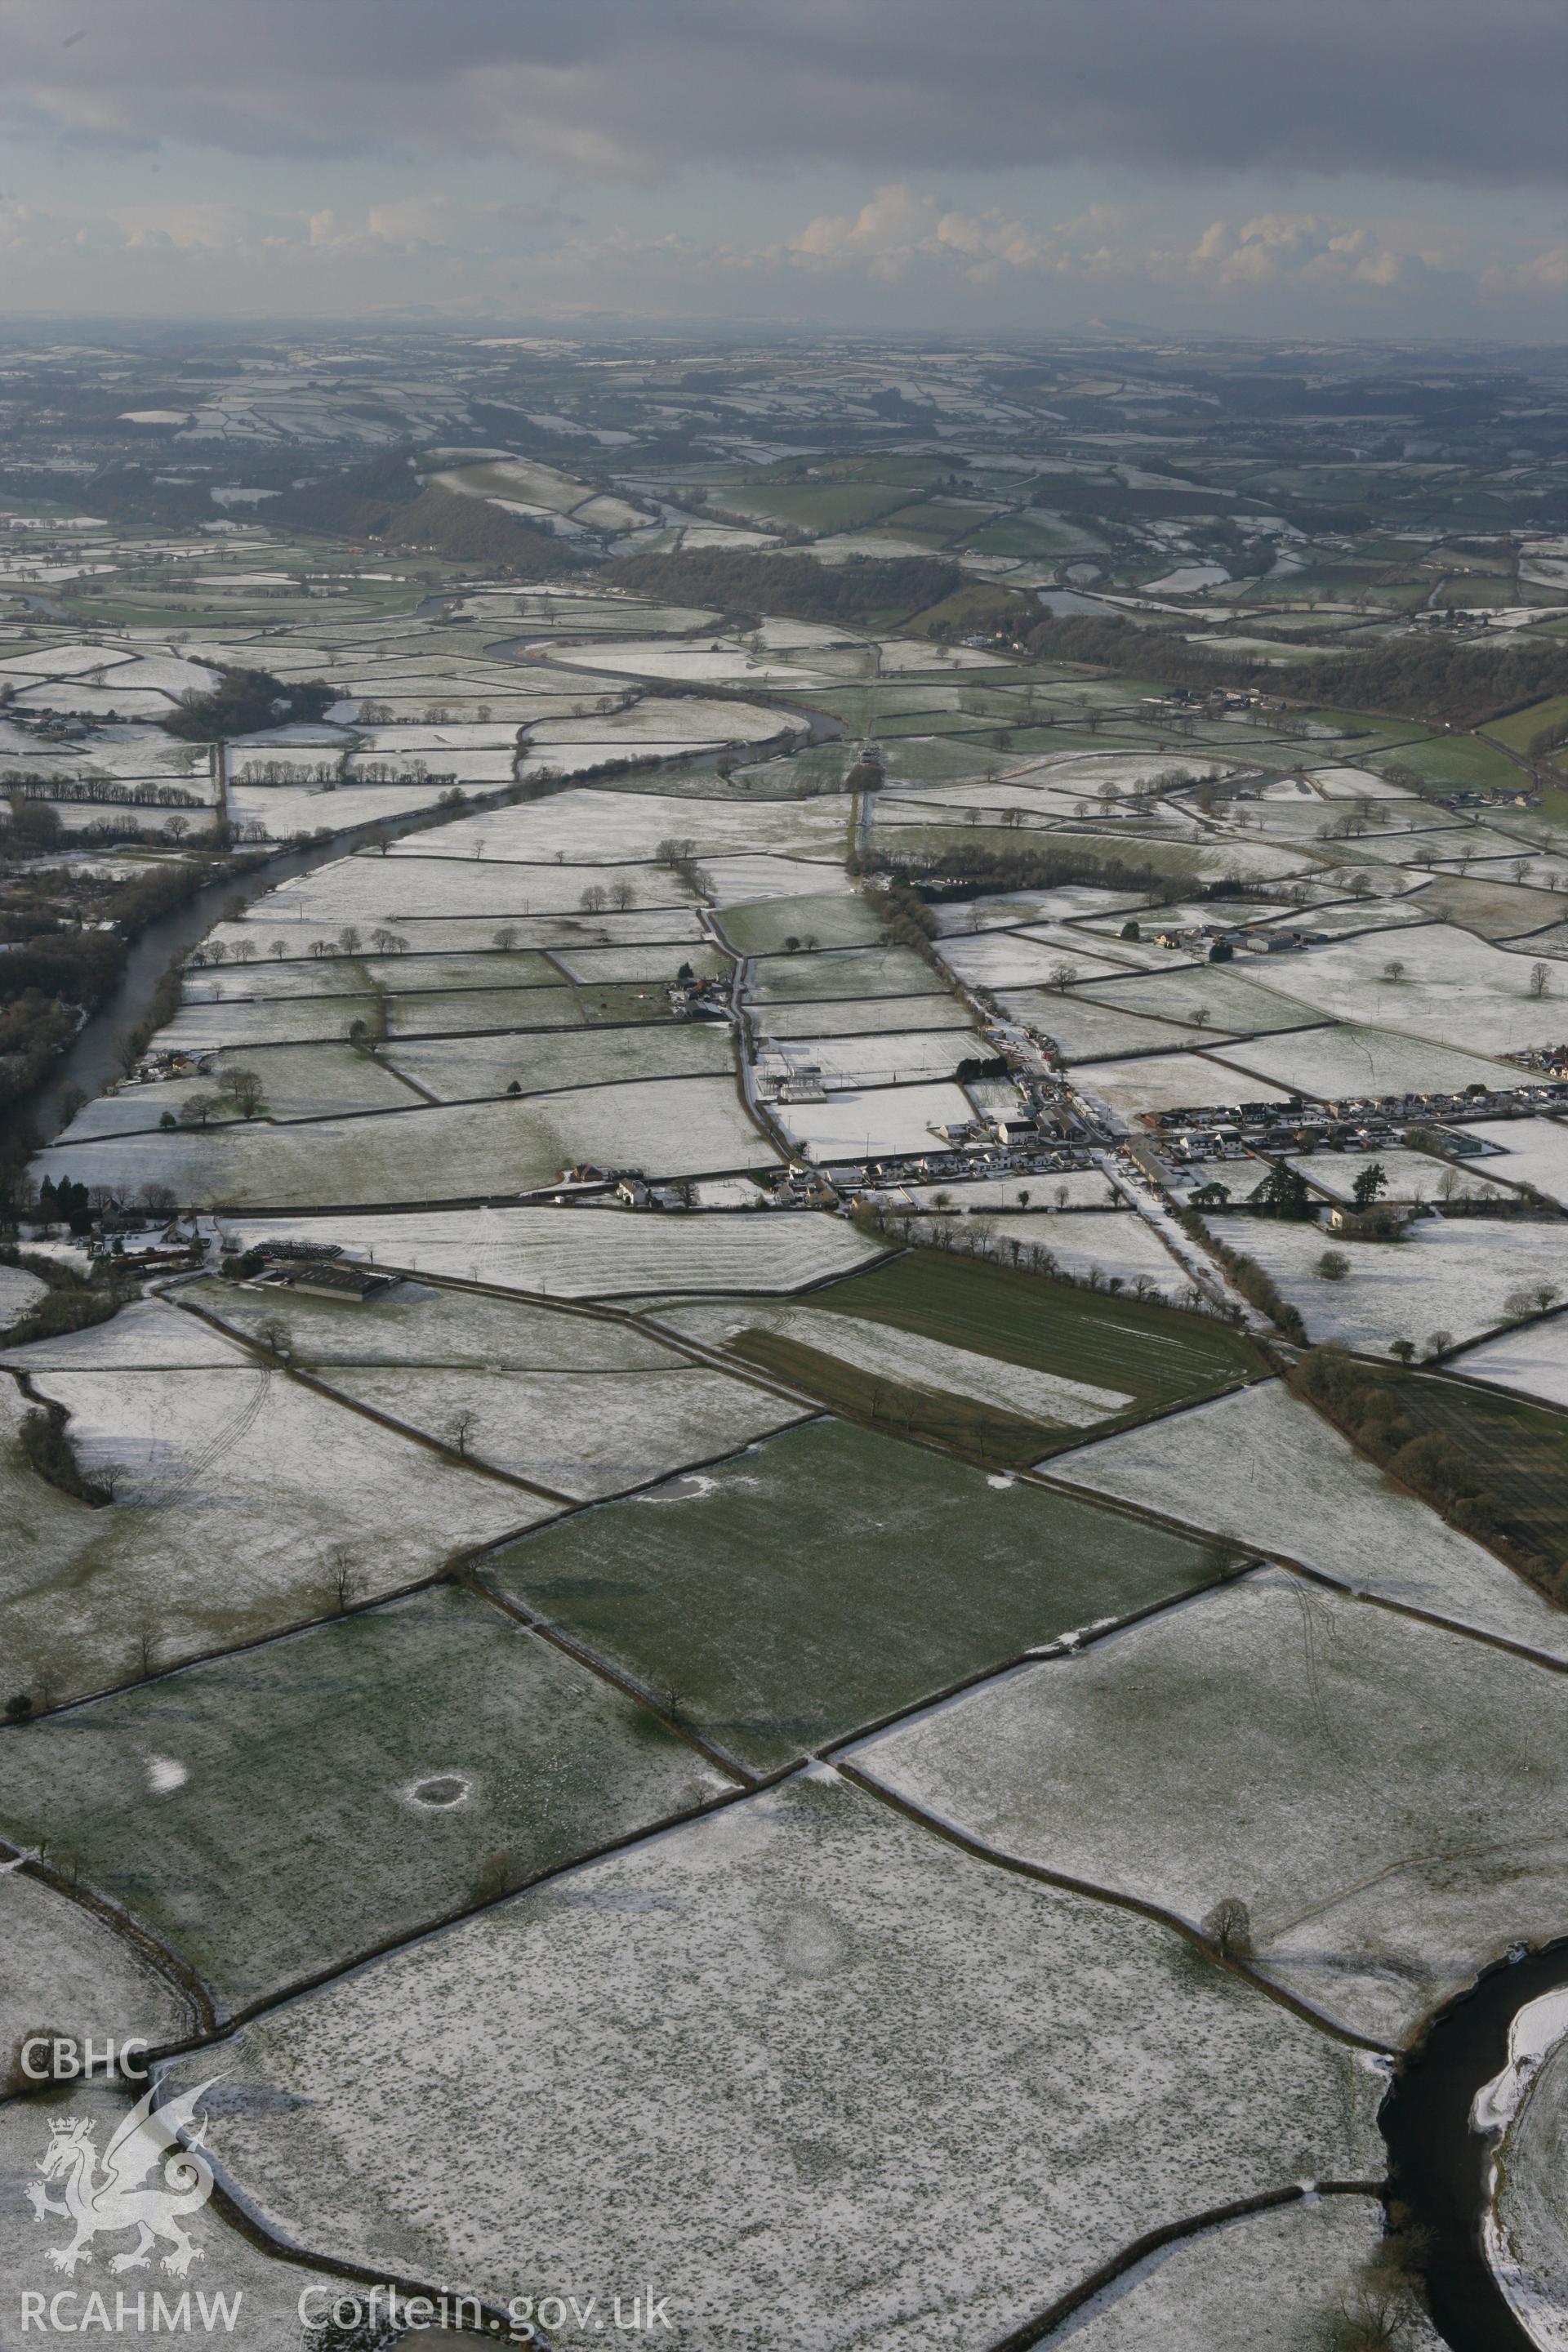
1439 2164
92 1059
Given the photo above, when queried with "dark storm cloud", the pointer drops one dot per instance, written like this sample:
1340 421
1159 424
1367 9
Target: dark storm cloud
1441 89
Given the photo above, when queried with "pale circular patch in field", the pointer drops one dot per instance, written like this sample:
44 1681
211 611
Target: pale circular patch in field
438 1792
164 1775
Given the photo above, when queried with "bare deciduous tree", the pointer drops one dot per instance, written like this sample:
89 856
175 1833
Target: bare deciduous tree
244 1089
342 1577
461 1429
1228 1927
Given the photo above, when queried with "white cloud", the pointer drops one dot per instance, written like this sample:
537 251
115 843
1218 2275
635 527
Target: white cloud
900 232
906 254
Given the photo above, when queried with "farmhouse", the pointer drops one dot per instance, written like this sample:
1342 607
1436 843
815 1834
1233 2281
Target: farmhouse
328 1279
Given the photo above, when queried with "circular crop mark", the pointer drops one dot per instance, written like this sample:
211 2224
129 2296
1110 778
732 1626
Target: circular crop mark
440 1791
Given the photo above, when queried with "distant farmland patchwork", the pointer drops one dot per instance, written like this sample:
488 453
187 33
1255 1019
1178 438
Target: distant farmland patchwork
784 1451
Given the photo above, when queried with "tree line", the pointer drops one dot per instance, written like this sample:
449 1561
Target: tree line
1426 677
732 580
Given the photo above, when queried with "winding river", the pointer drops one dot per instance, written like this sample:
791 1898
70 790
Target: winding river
1440 2165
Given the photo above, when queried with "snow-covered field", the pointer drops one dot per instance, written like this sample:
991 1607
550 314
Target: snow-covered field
1074 1188
661 964
904 1356
891 1058
831 1017
1537 1152
1454 988
1253 999
1452 1276
1411 1175
858 1123
1359 784
586 1433
1085 1029
686 718
285 810
1283 2278
63 1961
370 890
19 1294
1059 904
1010 959
299 1082
772 2029
1401 1827
1526 2230
676 1127
149 1334
416 1324
1169 1082
456 1069
1117 1243
584 1254
1350 1060
240 1486
1380 915
746 877
709 662
237 1020
613 828
1534 1360
1270 1473
260 2294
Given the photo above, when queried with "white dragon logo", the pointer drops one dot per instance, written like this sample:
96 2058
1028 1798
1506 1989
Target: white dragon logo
122 2196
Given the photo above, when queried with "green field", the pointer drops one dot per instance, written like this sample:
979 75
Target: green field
1473 589
1034 533
838 918
977 606
1156 1354
856 972
879 466
928 520
1520 1449
1520 727
295 1840
984 1431
828 1576
1453 763
819 768
837 506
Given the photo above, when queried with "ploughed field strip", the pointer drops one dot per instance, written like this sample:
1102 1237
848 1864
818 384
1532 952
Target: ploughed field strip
1155 1357
661 1575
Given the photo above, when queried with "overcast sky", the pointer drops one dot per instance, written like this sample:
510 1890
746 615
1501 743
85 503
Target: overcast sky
1343 167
